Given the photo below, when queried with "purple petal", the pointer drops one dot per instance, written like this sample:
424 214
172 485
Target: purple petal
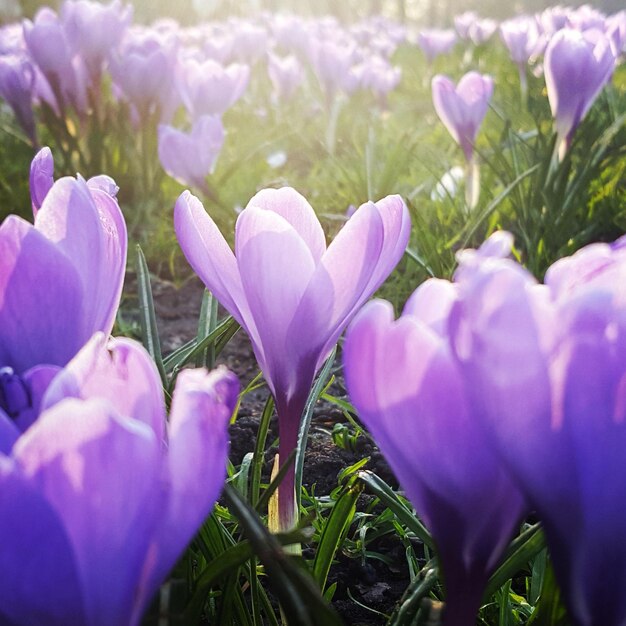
432 302
89 228
41 177
101 475
119 371
41 309
37 380
210 256
41 584
201 410
295 208
274 290
9 433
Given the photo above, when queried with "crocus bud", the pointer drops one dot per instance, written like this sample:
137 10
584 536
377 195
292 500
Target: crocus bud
577 65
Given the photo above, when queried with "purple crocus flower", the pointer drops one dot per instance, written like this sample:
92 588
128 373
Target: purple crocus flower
462 108
49 47
577 65
434 41
481 30
70 264
463 22
410 393
208 88
143 69
17 80
190 157
286 74
293 312
547 364
94 30
522 39
115 491
332 62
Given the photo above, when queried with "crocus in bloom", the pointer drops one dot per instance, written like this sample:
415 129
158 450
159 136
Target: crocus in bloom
410 393
208 88
291 293
99 497
143 69
190 157
286 74
60 281
462 110
522 39
49 47
94 30
434 41
547 364
577 66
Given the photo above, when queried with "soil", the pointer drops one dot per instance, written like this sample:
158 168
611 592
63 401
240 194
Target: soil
360 584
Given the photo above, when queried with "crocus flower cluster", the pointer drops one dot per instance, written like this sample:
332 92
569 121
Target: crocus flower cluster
294 312
493 386
91 472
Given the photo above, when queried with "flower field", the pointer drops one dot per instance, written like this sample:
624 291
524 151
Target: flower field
312 321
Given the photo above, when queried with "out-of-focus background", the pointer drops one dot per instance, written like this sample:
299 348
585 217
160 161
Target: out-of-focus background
426 12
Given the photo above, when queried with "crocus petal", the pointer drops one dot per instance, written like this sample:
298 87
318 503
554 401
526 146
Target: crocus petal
198 450
431 303
37 380
41 177
98 472
295 208
40 299
8 433
263 240
119 371
103 183
89 228
210 257
40 584
372 242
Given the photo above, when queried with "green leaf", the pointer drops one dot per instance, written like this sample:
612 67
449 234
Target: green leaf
147 316
334 531
390 499
406 611
259 452
206 325
550 610
305 423
296 591
521 551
